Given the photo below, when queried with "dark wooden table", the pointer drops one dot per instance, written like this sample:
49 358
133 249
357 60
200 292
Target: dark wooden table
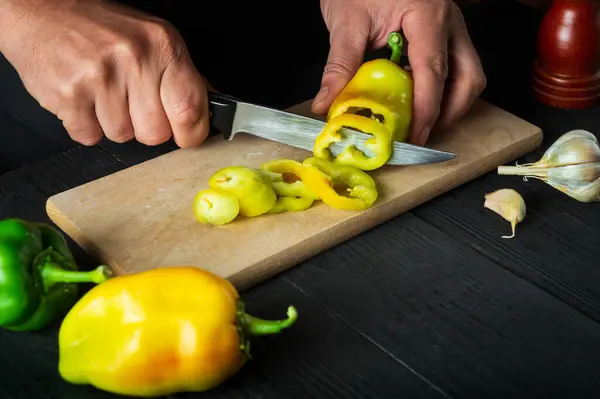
431 304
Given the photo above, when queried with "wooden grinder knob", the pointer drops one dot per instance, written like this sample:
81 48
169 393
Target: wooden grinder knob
566 73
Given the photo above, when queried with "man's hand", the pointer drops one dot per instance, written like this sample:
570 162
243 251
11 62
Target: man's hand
105 69
447 72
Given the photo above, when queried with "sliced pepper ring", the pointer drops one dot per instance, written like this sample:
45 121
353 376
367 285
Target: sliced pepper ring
360 186
380 143
216 207
291 204
350 103
285 178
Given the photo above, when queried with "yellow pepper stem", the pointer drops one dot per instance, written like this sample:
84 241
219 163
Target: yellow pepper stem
249 326
394 40
254 326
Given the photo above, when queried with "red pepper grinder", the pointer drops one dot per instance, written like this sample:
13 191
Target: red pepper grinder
566 73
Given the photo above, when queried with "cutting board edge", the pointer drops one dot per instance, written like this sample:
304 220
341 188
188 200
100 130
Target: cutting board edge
279 262
249 277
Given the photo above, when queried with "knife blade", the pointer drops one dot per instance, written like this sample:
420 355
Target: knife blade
230 116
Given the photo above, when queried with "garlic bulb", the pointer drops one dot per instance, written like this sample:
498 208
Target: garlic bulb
571 165
509 204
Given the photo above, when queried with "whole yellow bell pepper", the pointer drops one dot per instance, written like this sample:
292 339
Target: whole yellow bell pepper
158 332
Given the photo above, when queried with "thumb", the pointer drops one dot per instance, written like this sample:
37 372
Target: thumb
345 57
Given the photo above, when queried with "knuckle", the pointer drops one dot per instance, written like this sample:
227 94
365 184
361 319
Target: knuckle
438 62
96 73
69 91
479 83
337 66
127 51
186 112
165 36
443 8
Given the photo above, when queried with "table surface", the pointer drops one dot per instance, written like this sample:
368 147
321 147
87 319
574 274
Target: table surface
431 304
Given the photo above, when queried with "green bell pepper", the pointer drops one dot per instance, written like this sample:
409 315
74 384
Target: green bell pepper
38 275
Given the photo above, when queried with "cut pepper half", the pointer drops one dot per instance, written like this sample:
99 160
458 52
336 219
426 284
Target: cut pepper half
357 184
380 144
381 90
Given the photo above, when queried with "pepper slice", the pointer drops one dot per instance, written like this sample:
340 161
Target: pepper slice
215 207
291 204
159 332
359 185
252 188
381 90
380 144
285 178
38 275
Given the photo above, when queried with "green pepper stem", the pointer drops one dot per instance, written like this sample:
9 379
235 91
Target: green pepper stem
254 326
53 273
394 40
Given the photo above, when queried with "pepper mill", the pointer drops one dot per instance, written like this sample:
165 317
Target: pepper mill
566 73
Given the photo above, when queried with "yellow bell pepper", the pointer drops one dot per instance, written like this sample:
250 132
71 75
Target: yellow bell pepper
358 184
158 332
381 91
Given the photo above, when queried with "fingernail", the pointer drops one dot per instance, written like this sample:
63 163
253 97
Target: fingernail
321 95
423 135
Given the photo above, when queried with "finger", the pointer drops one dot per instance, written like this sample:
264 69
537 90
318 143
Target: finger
81 123
112 111
150 123
184 98
426 31
467 80
346 53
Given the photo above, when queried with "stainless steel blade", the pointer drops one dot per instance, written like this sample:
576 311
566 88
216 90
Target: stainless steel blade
300 131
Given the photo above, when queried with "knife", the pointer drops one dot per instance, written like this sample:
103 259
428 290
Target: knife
229 116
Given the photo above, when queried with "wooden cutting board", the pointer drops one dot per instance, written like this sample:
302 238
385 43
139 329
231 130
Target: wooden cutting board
142 217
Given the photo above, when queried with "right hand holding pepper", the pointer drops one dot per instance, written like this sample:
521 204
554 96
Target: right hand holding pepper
105 69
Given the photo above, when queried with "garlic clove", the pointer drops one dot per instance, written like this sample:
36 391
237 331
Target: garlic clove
581 182
574 147
509 204
584 193
578 147
574 175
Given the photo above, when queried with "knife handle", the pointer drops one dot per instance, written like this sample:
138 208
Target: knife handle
221 110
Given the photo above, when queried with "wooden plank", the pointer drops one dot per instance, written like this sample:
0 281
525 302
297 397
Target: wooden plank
319 357
458 319
17 149
141 217
556 247
312 359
